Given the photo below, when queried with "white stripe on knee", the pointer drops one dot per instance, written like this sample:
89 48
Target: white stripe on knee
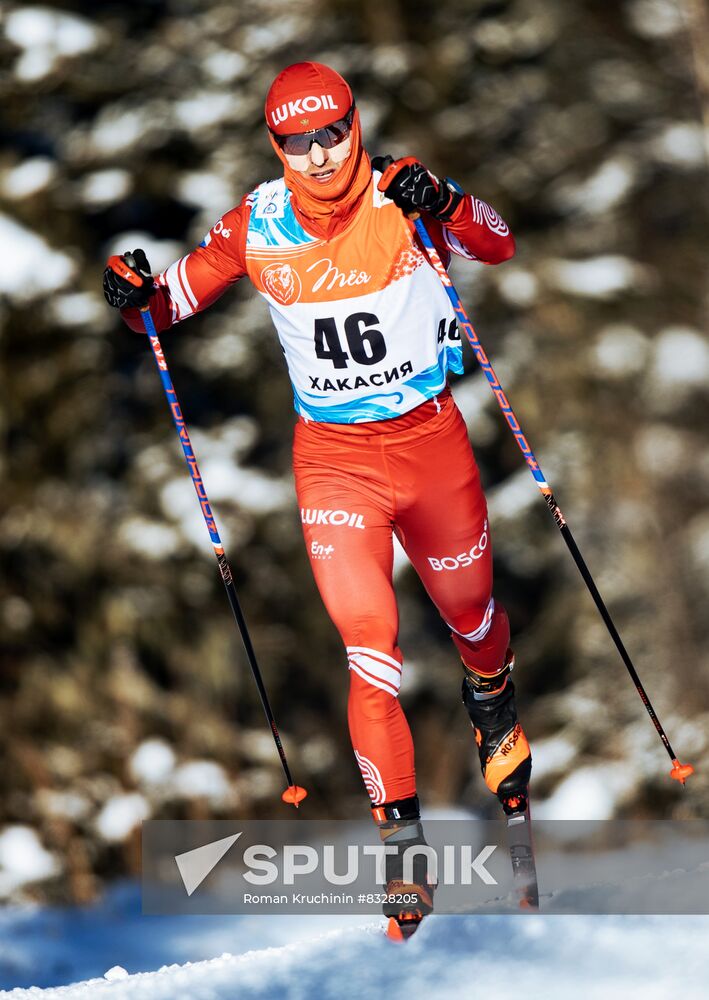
482 630
376 668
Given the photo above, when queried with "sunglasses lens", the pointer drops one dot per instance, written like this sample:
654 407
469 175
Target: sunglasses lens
336 133
295 145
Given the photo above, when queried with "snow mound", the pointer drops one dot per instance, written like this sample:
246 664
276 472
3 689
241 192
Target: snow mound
611 956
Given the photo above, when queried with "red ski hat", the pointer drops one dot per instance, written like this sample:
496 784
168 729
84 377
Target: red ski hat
306 96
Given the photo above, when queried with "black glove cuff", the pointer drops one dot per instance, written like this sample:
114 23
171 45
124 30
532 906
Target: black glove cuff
449 198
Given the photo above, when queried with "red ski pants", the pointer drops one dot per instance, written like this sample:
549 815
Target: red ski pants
357 484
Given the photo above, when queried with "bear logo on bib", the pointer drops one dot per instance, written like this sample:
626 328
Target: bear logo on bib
282 283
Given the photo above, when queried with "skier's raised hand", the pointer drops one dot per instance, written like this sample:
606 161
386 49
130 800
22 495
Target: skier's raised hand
127 281
414 189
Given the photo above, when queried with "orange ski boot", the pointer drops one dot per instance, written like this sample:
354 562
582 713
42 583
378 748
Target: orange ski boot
505 757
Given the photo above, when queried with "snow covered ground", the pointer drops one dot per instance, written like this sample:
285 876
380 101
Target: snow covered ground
113 946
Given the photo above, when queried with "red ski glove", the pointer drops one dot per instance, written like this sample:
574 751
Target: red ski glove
127 281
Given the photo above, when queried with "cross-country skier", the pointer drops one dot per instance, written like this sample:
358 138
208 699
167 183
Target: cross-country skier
380 447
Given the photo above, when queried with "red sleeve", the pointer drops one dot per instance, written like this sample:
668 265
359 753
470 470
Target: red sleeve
476 231
197 280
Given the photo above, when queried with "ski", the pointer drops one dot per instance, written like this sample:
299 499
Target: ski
521 846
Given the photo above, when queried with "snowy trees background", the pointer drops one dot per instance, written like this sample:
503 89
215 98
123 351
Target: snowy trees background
124 692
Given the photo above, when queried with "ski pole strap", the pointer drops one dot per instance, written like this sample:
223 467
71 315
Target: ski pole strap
182 433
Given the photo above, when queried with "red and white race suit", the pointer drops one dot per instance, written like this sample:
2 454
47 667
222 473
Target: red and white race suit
380 447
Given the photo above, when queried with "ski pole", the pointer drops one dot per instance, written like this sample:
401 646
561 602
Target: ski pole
680 772
294 794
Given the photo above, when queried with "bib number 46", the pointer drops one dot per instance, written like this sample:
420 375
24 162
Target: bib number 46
366 343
